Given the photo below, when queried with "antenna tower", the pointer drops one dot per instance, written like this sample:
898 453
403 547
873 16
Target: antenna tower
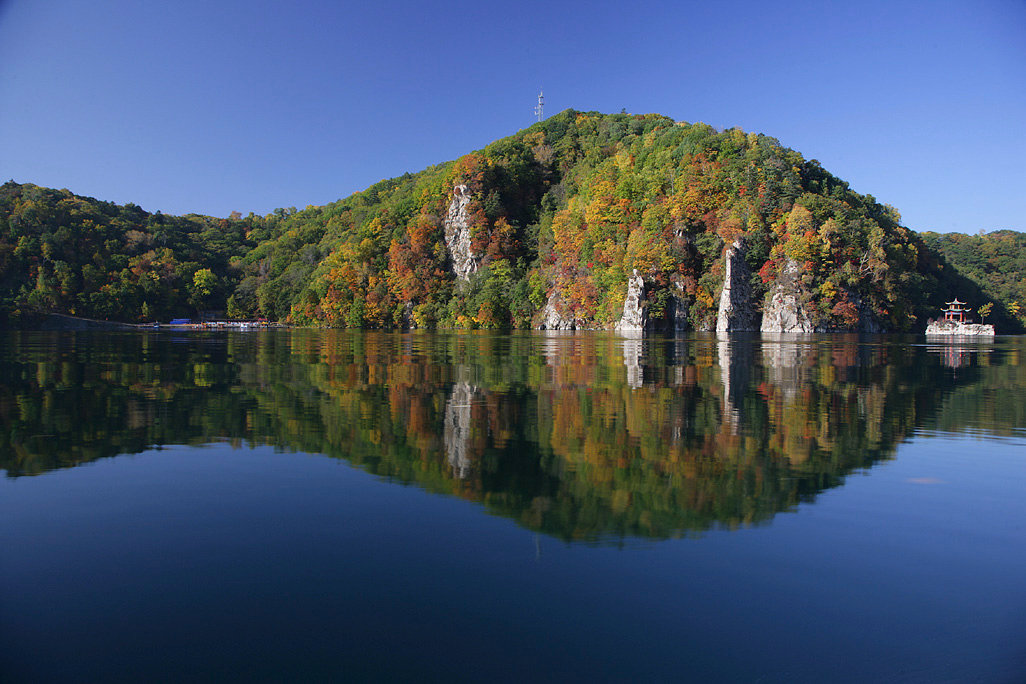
539 109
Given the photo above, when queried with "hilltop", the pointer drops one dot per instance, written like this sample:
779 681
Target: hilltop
584 220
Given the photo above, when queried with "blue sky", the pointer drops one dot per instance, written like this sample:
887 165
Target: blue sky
210 107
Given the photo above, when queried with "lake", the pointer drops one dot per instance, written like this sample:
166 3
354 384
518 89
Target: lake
333 505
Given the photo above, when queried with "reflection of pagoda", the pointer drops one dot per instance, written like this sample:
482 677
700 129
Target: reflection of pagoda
956 311
955 357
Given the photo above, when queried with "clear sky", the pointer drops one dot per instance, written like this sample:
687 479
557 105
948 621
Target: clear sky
209 107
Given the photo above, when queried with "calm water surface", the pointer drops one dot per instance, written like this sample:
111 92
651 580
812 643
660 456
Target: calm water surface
306 505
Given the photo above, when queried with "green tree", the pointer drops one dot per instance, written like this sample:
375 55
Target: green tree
985 310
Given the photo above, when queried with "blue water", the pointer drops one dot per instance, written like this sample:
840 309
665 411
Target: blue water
233 558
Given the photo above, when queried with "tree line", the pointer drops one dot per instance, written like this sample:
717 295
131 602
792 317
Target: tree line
563 211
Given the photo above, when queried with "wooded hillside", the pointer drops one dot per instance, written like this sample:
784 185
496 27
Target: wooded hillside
550 222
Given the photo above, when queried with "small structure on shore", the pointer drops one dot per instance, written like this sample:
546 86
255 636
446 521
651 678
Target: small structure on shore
956 322
956 311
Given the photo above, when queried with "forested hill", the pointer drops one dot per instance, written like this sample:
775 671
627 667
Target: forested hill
993 262
543 228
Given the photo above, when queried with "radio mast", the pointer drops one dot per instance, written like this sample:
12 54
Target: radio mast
539 109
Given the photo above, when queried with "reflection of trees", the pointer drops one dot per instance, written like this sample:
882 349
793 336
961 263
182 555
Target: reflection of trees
995 399
558 432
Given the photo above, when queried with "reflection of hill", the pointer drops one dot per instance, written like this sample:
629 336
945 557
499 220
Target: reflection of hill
995 398
582 437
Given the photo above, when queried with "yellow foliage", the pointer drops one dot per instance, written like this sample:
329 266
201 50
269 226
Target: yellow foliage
828 290
647 253
800 221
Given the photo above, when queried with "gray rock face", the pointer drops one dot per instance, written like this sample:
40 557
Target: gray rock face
736 313
867 321
958 329
457 234
408 322
785 312
634 316
553 317
680 307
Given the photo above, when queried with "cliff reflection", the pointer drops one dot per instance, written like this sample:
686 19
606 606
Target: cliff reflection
580 436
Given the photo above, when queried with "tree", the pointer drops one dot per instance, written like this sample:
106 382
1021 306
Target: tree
985 310
204 281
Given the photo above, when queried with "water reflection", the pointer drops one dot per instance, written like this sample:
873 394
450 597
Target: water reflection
579 436
632 347
735 360
458 423
957 352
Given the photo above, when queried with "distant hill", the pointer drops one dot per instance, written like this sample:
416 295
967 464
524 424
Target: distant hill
995 263
545 228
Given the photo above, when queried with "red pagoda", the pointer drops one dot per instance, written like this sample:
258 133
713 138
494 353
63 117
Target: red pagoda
956 311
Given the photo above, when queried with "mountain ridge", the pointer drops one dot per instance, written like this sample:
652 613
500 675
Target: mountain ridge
544 228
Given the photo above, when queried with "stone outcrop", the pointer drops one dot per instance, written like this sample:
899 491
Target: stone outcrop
957 329
680 304
457 234
737 312
634 317
407 321
867 321
557 316
785 312
553 317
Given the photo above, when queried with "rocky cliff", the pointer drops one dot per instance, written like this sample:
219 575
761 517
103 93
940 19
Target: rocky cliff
785 312
457 234
633 318
868 323
554 315
737 313
680 305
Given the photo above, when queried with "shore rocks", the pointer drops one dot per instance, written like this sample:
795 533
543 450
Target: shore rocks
553 316
785 312
956 328
737 312
634 318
